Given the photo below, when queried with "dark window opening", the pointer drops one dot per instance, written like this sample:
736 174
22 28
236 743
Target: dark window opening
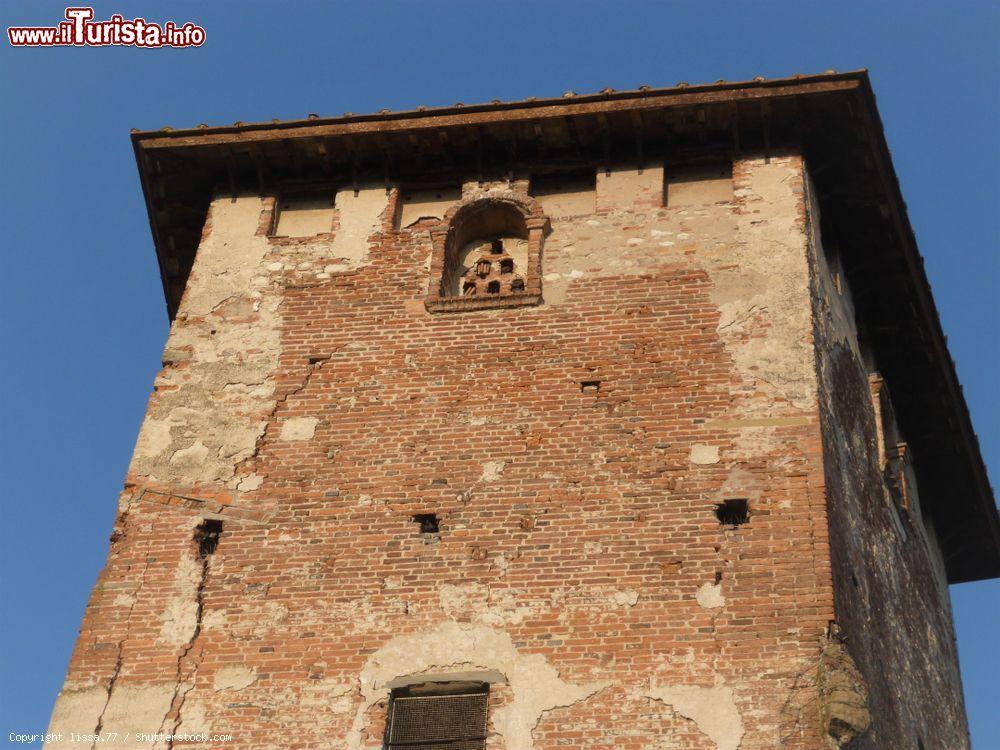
483 268
438 716
469 289
507 266
493 287
590 386
733 512
428 523
206 535
496 247
517 285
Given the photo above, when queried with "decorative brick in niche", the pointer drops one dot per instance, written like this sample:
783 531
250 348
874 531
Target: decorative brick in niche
487 254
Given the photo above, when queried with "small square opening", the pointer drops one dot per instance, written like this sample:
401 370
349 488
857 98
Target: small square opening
206 536
734 512
428 523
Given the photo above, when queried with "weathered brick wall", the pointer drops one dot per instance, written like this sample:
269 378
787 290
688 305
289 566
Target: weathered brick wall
311 402
891 599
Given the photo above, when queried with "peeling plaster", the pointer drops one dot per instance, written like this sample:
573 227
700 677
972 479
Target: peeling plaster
452 647
767 292
215 389
139 708
713 710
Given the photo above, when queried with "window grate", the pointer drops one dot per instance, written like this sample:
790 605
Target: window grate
438 722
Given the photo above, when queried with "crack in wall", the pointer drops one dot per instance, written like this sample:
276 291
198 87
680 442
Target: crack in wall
178 698
121 650
251 460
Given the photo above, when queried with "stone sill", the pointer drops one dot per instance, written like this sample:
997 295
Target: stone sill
496 302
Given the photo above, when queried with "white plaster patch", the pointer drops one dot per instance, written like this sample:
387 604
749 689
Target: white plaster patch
704 454
713 710
360 217
75 709
250 482
234 678
492 470
181 616
154 438
191 456
709 596
132 709
299 428
451 647
226 334
626 598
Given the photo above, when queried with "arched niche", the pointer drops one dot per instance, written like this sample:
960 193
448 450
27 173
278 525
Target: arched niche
487 253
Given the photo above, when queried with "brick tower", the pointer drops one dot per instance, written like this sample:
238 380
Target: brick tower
618 421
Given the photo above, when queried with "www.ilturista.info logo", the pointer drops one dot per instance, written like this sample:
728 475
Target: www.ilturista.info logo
79 30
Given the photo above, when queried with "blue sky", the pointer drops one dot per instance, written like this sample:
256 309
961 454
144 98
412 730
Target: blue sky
82 318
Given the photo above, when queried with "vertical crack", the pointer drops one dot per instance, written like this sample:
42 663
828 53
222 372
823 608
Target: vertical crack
179 696
311 369
112 681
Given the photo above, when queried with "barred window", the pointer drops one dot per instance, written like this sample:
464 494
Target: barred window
438 716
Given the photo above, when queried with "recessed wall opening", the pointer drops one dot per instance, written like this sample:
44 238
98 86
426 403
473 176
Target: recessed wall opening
491 242
698 184
438 716
305 214
428 523
733 512
590 386
494 242
566 193
206 536
418 203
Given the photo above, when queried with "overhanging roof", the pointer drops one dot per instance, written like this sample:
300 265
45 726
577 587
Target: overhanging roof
832 117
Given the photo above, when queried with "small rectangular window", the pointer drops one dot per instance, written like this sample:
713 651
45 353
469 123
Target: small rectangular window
698 184
438 716
568 193
304 215
426 203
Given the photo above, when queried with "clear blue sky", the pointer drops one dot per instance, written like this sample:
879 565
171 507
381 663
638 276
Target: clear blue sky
82 317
